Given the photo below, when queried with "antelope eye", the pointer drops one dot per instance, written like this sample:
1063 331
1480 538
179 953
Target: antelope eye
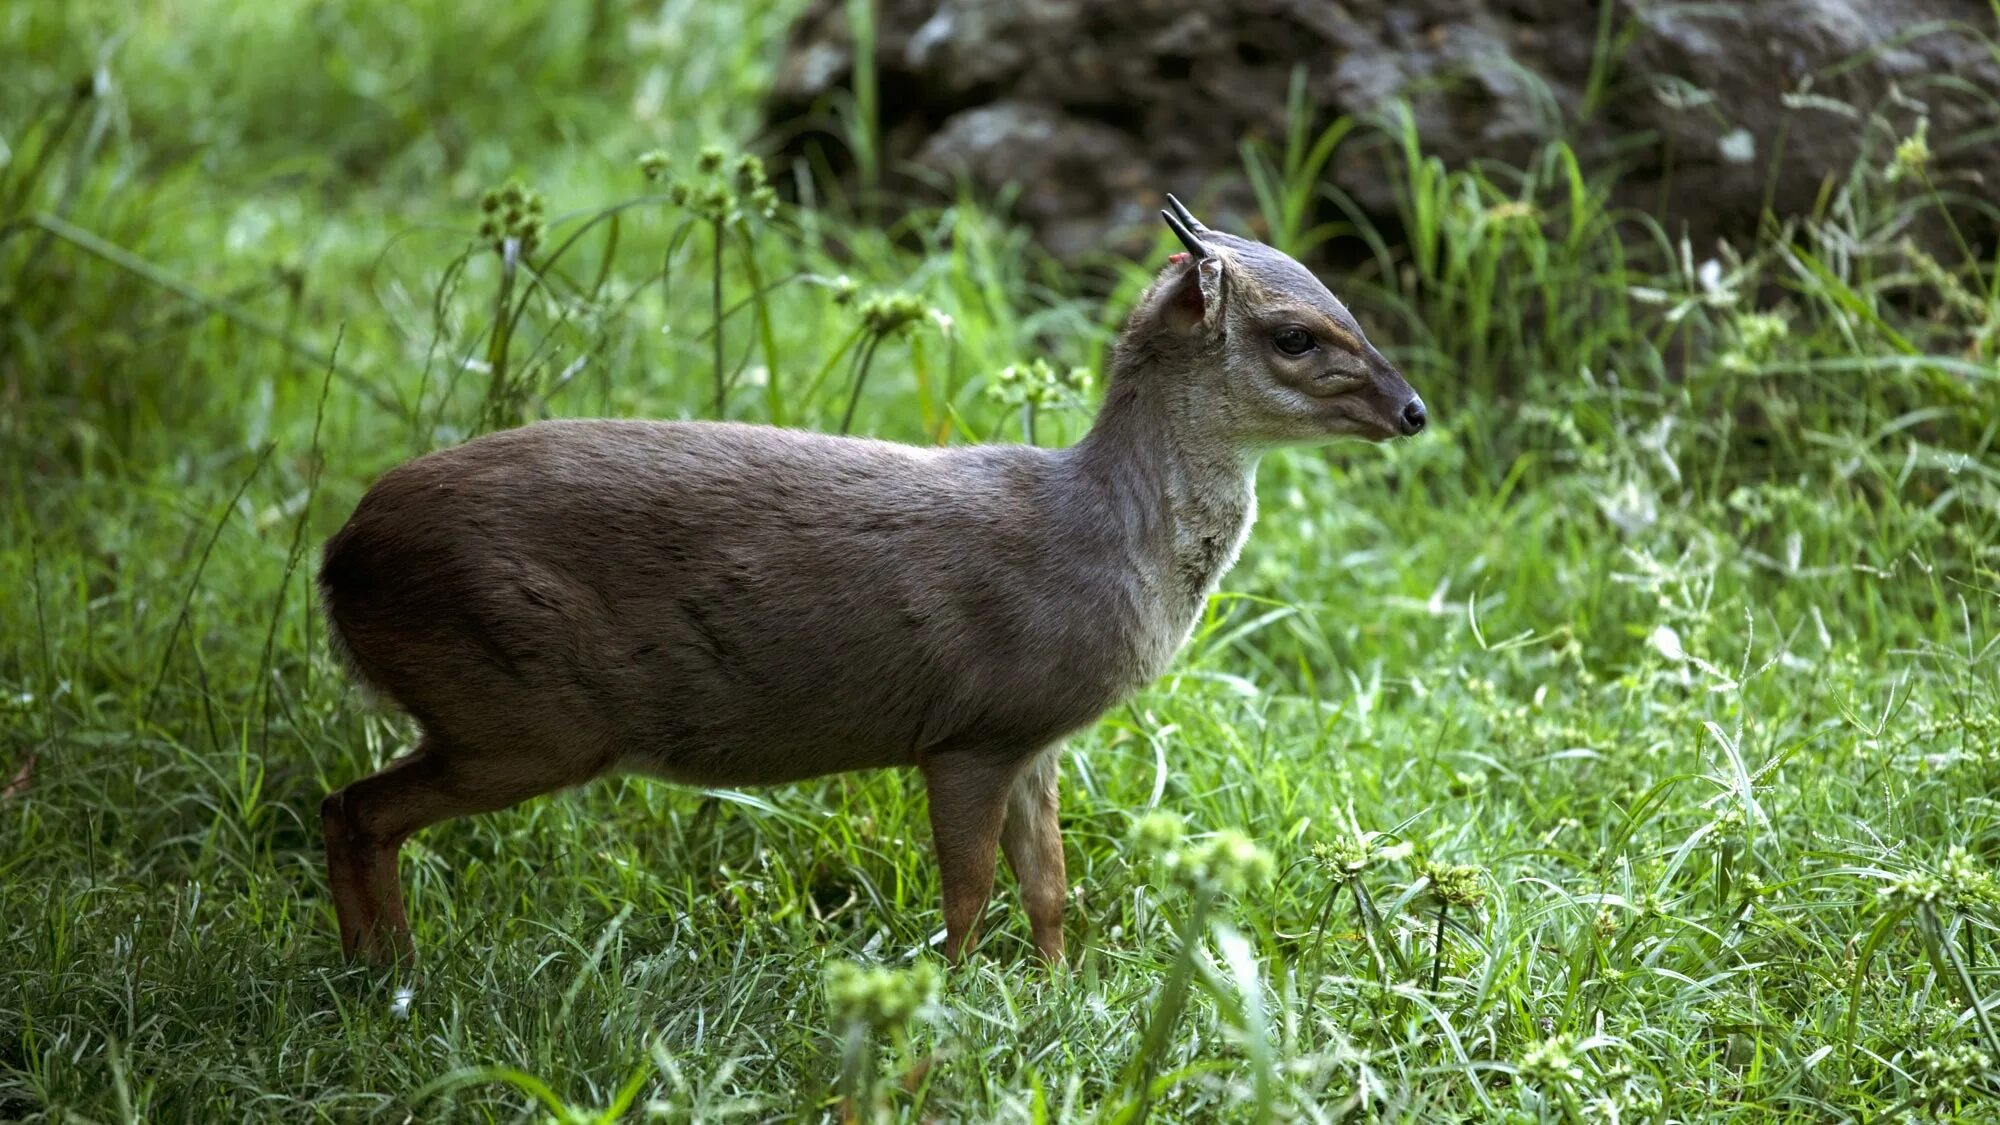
1293 341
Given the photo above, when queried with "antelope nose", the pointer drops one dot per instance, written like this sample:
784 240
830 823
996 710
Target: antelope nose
1413 416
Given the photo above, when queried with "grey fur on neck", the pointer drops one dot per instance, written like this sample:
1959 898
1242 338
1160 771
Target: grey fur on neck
1185 490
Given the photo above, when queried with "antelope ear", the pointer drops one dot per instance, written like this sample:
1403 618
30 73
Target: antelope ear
1195 297
1191 293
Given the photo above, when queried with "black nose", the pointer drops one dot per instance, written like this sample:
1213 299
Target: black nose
1413 417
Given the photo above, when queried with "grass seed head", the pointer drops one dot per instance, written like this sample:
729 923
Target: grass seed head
513 211
891 313
1606 923
1913 154
1946 1075
1158 833
1459 885
1035 383
1918 888
1966 881
1228 861
879 997
1551 1062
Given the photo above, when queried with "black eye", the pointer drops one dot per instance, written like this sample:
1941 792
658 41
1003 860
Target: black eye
1293 341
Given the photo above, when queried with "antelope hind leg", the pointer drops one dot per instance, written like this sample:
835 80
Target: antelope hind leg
367 822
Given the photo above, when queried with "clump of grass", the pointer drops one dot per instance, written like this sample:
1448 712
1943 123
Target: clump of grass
513 225
1210 870
1459 885
868 1002
882 318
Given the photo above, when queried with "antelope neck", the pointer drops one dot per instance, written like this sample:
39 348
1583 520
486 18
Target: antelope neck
1181 491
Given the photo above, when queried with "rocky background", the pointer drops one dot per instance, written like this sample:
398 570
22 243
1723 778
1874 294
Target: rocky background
1705 112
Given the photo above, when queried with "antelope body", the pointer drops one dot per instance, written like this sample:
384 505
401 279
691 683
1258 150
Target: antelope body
728 604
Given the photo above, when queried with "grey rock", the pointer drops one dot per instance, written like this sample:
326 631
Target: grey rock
1092 107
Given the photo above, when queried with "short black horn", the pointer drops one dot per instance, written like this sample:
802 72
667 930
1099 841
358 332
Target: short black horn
1185 215
1195 245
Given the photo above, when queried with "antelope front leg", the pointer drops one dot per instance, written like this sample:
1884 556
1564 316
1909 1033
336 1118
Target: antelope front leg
968 798
1032 839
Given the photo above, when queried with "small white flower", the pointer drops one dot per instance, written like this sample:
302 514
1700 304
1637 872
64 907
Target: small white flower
1738 146
1710 276
1667 643
1631 509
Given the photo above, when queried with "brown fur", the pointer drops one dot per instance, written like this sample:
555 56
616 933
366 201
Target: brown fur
726 604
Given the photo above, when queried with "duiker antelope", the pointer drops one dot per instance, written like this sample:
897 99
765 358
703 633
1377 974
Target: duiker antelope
733 605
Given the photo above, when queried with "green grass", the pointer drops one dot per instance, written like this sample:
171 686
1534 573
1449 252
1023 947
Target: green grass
1667 666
